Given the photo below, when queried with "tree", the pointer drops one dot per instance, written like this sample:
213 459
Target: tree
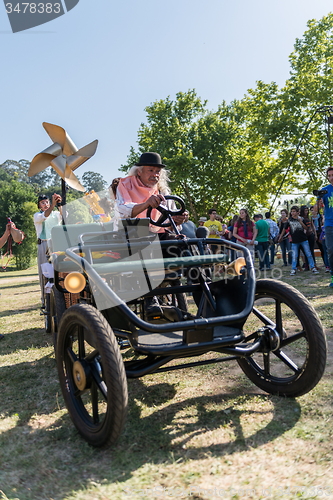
44 179
4 176
93 181
26 252
78 212
309 87
17 169
280 116
211 158
17 201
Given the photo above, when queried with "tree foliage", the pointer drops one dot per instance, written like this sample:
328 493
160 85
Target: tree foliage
239 154
17 201
93 181
26 252
310 87
78 212
280 116
211 159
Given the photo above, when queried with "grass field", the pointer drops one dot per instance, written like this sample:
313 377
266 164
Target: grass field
204 432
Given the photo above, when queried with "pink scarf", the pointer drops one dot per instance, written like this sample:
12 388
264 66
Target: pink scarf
132 190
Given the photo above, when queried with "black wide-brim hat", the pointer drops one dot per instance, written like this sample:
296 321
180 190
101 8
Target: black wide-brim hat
151 160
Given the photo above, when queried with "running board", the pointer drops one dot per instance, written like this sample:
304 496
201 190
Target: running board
188 342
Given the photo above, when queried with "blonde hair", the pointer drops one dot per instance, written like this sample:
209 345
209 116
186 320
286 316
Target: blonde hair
163 182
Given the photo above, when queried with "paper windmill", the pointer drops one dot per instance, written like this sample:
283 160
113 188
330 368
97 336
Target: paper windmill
63 156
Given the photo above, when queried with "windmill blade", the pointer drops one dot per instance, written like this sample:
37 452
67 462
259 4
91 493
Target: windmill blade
59 135
43 160
55 149
89 150
82 155
65 172
39 163
63 156
59 165
72 180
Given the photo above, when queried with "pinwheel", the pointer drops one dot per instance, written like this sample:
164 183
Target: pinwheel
63 156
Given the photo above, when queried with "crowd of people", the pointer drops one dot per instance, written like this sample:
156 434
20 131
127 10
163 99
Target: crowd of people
297 233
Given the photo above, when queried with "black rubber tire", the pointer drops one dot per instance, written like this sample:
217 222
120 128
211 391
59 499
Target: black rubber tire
47 314
302 338
57 309
98 410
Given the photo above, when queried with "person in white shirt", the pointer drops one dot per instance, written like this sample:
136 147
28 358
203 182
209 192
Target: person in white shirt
44 220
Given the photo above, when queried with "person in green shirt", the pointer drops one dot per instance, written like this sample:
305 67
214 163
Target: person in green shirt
262 239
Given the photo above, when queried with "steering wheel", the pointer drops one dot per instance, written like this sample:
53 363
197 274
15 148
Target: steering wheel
166 212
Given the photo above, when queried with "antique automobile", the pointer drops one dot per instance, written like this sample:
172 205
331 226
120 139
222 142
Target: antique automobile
211 311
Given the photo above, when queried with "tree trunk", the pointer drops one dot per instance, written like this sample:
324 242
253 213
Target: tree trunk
192 206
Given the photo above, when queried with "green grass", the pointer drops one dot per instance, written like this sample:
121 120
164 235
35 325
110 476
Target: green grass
206 427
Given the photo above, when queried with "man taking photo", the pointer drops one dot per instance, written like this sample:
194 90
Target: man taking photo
44 220
328 204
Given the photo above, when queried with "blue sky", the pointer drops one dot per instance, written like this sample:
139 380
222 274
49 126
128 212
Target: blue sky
94 70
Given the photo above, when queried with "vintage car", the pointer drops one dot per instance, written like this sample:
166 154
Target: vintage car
211 311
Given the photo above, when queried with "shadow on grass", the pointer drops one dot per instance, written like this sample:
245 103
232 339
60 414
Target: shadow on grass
22 387
10 272
19 285
158 430
24 340
10 312
43 456
324 308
